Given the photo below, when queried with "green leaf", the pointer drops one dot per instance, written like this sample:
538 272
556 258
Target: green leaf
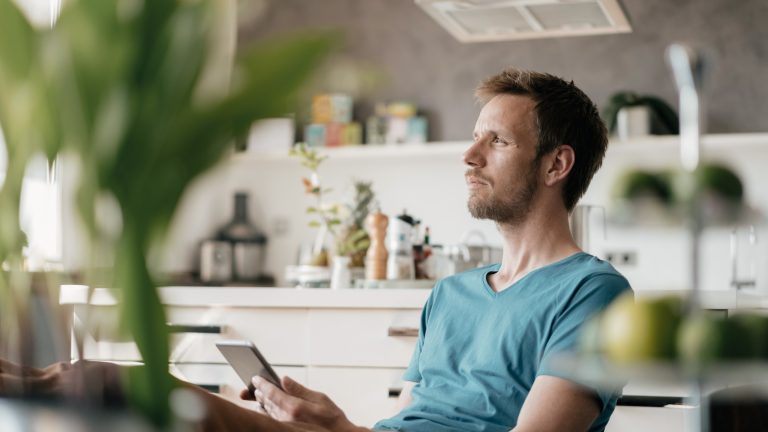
18 44
315 224
311 210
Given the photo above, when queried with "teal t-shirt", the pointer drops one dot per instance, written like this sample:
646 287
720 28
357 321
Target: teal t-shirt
479 351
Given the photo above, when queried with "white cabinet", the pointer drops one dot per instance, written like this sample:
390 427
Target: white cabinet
362 337
643 419
353 345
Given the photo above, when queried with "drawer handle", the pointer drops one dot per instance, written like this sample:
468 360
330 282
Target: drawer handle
394 392
192 328
649 401
213 388
403 331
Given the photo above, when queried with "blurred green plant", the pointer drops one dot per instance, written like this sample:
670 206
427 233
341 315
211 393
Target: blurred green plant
124 85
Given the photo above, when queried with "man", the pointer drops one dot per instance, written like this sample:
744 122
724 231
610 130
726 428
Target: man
487 336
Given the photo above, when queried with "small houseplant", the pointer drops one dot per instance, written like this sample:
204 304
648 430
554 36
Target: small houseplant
343 222
663 119
131 89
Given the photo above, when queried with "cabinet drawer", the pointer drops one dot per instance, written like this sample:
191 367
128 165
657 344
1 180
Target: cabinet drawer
225 379
366 395
362 337
672 418
280 334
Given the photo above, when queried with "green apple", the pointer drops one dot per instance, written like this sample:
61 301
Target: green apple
756 328
704 339
641 330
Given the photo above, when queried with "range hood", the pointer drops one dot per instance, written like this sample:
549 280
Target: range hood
500 20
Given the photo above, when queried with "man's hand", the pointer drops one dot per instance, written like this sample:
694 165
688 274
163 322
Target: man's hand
299 404
83 379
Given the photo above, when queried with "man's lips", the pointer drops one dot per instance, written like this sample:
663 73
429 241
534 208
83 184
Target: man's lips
475 181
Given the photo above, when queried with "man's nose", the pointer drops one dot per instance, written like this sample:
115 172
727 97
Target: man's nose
473 155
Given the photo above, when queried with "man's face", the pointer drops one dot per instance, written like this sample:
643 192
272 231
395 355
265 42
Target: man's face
503 171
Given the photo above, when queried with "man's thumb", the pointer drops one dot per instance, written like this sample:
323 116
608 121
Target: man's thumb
295 389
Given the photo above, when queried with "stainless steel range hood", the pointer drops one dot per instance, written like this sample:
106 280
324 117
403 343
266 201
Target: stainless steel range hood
500 20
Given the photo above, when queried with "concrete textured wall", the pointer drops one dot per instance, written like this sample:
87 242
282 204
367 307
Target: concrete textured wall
425 64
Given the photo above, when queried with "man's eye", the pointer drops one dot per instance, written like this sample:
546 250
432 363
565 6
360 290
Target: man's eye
498 140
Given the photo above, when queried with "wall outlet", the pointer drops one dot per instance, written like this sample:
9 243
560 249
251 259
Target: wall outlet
621 258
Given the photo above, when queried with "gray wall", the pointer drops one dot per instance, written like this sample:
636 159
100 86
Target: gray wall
425 64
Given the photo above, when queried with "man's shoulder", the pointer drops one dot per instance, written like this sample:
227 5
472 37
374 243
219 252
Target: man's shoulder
591 276
589 267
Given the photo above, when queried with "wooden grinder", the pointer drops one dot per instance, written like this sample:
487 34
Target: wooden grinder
376 258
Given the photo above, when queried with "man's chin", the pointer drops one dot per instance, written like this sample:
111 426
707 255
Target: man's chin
479 210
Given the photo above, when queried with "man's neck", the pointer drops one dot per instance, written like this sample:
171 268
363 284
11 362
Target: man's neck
543 238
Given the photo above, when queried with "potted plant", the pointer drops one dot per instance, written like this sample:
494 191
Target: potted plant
135 93
625 109
343 223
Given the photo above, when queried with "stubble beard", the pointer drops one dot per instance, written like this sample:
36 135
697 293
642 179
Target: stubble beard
510 207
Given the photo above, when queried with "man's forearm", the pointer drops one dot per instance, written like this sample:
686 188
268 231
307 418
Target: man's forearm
223 415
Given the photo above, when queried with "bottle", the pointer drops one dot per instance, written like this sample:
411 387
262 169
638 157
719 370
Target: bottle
420 254
400 263
248 243
427 248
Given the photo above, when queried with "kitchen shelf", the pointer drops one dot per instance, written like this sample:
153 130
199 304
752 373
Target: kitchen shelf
449 148
616 147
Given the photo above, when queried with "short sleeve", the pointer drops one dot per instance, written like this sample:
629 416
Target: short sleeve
593 295
412 373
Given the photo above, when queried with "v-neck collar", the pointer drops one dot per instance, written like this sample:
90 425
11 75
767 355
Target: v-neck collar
495 269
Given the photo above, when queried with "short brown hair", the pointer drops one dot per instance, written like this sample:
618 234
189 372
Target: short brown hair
564 115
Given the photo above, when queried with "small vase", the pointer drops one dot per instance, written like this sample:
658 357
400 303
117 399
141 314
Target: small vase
341 276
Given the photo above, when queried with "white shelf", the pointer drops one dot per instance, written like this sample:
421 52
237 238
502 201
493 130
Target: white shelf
450 148
661 143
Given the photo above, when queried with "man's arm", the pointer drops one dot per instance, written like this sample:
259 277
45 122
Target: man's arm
557 405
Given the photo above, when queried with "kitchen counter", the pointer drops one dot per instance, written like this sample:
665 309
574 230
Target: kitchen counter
348 298
263 297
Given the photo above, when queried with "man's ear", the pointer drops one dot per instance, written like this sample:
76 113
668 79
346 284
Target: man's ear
558 164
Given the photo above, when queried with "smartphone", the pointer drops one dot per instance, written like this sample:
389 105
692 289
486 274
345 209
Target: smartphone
247 361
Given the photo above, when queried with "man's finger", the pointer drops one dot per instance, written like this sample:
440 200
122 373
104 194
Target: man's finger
280 405
268 390
246 394
295 389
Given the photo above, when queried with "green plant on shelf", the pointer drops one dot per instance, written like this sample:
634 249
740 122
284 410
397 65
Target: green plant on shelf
664 119
343 222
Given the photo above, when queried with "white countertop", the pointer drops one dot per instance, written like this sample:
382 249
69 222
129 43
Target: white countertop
264 297
347 298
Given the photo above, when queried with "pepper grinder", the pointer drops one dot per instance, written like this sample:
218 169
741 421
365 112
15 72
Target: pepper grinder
376 257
